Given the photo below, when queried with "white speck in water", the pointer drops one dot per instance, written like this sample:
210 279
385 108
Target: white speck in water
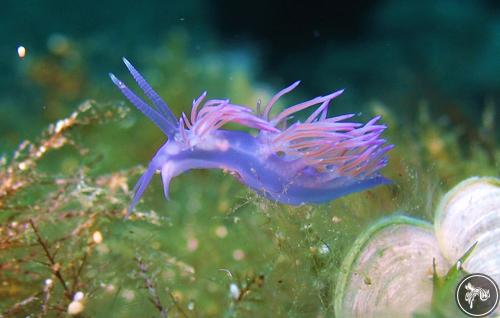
128 295
78 296
192 244
97 237
238 255
336 219
221 231
75 307
59 126
324 249
234 290
21 51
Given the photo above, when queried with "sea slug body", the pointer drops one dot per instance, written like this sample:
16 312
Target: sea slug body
314 161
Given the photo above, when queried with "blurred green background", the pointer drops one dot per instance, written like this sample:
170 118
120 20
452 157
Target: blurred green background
431 68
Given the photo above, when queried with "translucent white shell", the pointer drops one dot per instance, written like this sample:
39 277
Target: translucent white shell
470 213
388 272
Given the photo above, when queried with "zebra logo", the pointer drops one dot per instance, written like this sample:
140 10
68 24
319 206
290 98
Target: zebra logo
477 295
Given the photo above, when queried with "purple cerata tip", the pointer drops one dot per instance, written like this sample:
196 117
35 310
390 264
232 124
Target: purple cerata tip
294 163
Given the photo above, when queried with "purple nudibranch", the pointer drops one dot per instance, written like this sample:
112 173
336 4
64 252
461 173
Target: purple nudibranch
314 161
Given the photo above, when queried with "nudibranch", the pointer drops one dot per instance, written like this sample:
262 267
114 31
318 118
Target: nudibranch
314 161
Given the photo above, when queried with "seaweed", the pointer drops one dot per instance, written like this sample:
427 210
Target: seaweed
215 249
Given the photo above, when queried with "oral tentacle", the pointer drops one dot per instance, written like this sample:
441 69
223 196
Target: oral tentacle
166 177
141 186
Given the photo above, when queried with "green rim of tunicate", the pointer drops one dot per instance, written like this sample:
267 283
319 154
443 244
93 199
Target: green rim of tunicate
359 245
455 190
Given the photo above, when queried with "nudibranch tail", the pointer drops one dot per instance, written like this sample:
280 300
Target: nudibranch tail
314 161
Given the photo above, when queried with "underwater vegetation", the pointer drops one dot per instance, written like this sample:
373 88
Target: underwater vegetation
215 249
311 162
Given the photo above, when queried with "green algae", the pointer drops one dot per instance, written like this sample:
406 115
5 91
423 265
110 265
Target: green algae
215 249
